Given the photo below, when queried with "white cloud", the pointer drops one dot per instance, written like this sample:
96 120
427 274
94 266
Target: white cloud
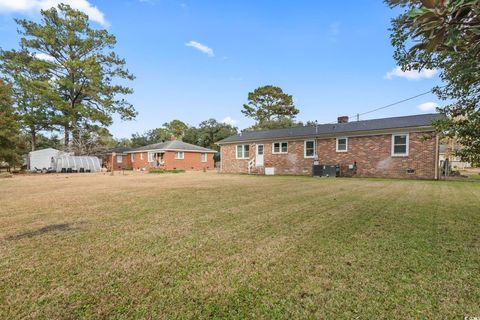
229 120
201 47
428 106
183 5
30 6
411 74
44 56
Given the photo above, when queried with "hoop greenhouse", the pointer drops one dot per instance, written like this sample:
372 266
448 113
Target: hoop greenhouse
77 164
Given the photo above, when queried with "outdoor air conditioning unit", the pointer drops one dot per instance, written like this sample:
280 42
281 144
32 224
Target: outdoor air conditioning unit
325 170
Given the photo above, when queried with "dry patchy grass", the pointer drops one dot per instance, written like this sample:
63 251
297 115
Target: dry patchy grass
203 245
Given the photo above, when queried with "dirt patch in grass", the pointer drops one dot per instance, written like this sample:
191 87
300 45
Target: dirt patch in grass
203 245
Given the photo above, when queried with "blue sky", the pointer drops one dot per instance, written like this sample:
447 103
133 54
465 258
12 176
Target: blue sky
198 59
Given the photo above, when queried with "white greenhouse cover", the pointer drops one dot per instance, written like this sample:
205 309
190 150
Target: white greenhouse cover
76 163
43 159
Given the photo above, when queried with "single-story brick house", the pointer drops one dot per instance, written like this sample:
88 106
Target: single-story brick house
390 147
117 155
168 155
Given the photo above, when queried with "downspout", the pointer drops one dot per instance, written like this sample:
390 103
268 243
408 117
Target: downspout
221 158
437 155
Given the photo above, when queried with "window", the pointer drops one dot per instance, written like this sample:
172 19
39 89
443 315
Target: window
179 155
260 149
204 157
342 144
141 156
280 147
119 159
132 157
243 151
151 156
309 149
400 144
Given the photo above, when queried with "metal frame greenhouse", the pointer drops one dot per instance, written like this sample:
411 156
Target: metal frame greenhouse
77 164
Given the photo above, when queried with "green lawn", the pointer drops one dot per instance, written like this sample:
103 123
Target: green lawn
203 245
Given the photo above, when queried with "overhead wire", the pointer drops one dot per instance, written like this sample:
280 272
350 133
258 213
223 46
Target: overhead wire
357 115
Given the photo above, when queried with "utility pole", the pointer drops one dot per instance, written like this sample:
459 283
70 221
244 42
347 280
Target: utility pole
358 117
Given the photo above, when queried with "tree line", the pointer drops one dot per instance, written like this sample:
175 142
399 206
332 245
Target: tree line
268 105
61 88
445 35
65 78
65 83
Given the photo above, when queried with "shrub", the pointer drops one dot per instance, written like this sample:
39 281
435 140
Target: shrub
167 171
6 175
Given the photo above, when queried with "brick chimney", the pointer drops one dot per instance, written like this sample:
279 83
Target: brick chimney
342 119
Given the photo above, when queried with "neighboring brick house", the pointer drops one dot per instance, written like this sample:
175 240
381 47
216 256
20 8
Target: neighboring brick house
117 155
390 147
167 155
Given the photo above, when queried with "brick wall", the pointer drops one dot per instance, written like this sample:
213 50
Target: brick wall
293 162
191 161
373 156
125 164
139 162
371 153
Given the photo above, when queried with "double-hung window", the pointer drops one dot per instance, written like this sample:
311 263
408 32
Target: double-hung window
151 156
141 155
280 147
132 157
400 145
204 157
179 155
342 145
243 151
119 159
309 149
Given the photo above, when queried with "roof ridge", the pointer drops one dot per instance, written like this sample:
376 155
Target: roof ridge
395 117
323 124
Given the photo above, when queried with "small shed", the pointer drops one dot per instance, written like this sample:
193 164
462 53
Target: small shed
43 159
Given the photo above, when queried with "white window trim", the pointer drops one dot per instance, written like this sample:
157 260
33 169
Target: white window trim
243 151
119 159
150 156
305 149
132 157
407 145
346 144
179 155
204 156
280 152
141 155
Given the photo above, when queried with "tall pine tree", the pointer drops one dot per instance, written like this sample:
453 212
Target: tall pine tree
83 70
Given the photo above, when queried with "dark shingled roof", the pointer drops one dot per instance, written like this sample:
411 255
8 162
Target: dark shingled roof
117 150
172 145
420 120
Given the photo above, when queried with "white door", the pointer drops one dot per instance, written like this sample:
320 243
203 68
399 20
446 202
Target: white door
259 156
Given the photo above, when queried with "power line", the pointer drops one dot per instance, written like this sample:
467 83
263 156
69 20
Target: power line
393 104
